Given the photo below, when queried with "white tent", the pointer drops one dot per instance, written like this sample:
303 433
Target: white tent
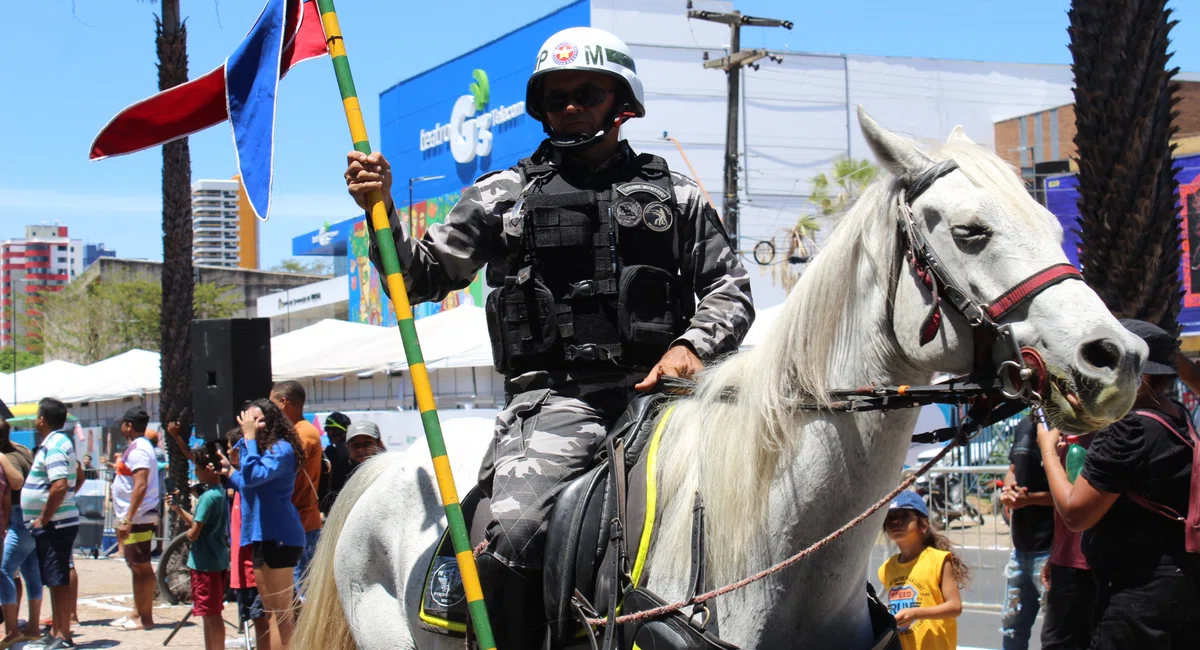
32 384
333 347
135 372
455 338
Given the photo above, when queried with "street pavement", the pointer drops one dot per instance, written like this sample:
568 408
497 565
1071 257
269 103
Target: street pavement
978 629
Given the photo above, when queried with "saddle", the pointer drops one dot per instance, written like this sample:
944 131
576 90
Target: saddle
597 542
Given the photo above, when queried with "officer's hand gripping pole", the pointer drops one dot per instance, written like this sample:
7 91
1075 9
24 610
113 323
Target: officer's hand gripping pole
412 347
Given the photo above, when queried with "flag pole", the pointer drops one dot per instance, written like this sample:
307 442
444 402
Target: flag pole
408 332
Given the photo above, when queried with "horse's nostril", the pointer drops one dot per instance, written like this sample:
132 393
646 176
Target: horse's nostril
1101 353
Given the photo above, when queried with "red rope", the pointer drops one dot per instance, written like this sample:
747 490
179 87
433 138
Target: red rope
675 607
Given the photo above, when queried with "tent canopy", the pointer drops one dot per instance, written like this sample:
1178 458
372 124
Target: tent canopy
455 338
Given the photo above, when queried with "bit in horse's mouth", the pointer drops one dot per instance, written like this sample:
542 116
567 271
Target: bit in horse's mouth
1066 408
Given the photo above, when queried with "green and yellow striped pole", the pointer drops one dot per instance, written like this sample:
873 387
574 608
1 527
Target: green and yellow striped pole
408 332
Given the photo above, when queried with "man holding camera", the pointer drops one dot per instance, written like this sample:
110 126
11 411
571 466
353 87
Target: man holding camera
135 504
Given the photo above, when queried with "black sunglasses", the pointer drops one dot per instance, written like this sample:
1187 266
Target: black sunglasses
587 95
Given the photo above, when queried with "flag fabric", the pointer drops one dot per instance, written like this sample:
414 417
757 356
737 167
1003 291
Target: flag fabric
242 90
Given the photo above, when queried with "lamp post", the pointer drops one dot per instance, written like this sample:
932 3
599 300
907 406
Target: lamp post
411 182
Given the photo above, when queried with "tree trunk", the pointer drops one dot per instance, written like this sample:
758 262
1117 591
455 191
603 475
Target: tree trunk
177 277
1124 100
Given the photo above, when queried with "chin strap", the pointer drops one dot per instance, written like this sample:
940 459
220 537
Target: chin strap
581 142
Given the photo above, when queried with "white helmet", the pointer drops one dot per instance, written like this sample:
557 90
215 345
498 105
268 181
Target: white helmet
585 48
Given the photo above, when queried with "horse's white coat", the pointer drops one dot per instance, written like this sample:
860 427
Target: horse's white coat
775 481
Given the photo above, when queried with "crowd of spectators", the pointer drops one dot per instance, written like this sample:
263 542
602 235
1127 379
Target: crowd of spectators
261 497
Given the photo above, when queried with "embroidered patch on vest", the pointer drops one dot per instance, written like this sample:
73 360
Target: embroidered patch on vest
628 212
657 217
640 186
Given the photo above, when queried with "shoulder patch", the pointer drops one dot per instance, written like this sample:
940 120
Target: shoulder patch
640 186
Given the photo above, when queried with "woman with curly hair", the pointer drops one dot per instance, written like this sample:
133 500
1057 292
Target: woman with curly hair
270 454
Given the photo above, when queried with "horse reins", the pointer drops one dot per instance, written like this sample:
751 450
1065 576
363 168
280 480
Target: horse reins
1026 382
1023 367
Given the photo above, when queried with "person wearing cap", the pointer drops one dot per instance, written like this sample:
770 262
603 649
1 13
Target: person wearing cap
628 257
135 492
1138 468
921 583
364 441
338 458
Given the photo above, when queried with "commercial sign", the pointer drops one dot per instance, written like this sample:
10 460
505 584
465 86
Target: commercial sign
457 121
317 294
470 136
329 239
467 116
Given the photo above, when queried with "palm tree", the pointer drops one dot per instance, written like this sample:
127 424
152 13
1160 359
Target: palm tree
1124 103
850 177
831 197
175 320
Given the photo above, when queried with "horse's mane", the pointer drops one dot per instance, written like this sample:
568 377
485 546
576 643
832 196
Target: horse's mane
728 451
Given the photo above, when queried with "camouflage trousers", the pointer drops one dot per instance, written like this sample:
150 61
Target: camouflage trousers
543 439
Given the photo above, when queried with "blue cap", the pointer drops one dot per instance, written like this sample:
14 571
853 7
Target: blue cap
909 500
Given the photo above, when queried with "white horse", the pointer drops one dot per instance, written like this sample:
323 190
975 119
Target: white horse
776 479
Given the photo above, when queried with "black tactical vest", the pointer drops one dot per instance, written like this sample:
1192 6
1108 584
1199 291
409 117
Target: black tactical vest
595 281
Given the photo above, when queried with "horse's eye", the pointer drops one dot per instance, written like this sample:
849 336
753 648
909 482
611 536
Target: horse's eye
971 238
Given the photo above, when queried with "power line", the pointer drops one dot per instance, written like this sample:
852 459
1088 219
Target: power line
732 65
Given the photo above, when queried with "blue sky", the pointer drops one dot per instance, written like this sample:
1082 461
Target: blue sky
72 65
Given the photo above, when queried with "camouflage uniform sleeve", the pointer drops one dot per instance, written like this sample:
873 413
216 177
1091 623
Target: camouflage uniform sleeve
725 308
450 254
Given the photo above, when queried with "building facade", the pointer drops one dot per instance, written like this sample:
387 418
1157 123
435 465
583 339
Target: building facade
93 252
224 228
1048 135
247 229
45 260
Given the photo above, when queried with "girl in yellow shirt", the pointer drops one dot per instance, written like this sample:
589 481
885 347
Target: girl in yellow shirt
922 581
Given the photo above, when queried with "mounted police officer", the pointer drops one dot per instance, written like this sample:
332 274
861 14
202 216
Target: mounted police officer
608 272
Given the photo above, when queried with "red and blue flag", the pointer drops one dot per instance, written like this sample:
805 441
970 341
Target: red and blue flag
242 90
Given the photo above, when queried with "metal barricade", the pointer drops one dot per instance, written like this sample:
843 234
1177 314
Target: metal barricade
964 506
97 534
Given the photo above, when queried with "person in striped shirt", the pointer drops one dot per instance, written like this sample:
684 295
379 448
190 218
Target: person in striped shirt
48 505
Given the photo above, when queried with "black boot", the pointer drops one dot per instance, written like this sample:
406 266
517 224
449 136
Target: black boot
514 604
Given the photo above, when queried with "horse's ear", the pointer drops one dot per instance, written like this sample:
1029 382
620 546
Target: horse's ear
960 136
899 155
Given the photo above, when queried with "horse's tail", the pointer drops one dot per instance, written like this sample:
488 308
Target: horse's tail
323 624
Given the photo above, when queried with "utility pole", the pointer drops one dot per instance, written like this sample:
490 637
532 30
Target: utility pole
732 65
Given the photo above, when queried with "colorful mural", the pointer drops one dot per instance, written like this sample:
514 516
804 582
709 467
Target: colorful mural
368 304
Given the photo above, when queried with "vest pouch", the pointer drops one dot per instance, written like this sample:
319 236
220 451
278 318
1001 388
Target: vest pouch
648 307
521 318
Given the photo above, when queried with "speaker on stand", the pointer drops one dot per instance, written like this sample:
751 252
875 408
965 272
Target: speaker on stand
231 365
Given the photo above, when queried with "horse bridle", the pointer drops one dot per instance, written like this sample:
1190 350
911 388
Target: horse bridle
1023 373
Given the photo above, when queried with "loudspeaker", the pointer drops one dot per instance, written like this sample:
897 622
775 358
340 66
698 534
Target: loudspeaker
231 365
